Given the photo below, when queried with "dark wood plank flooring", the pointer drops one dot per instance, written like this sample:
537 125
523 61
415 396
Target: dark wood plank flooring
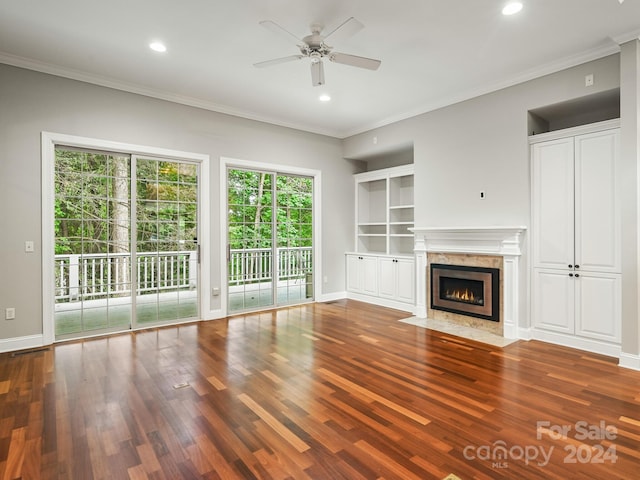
327 391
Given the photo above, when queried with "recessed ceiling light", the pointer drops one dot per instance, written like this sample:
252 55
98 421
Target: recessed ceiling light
324 97
157 47
511 8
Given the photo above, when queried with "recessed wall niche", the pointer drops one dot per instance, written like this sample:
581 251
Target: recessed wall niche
573 113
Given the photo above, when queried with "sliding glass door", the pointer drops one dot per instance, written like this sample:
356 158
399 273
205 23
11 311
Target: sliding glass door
270 239
166 246
126 250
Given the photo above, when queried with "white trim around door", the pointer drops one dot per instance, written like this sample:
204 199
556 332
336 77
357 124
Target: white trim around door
49 142
317 216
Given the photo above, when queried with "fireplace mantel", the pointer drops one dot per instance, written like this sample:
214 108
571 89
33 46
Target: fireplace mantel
490 240
479 240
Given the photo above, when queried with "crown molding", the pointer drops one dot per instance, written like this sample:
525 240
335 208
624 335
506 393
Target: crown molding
611 48
103 81
549 68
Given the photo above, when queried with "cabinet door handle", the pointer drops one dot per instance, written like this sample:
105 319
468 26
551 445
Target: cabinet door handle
570 266
577 275
571 274
577 266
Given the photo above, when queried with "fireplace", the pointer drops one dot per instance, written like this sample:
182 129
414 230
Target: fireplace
466 290
491 247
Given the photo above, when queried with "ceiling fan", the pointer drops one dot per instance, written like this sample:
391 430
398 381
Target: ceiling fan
314 46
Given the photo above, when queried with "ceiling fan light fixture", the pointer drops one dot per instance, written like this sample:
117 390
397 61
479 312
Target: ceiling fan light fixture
512 8
158 47
317 73
314 47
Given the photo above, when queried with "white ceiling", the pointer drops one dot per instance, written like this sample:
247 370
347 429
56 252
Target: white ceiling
433 52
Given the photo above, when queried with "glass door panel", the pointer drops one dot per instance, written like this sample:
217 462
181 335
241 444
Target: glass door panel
92 243
250 234
270 239
112 273
295 238
166 241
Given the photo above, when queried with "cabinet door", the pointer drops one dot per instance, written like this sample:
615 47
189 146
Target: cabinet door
353 274
553 203
388 277
397 279
598 300
406 280
369 272
597 218
553 300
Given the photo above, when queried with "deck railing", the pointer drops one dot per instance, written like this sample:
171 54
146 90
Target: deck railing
100 275
254 265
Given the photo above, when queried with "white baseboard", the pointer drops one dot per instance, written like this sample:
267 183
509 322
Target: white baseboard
383 302
214 315
628 360
21 343
331 297
525 333
595 346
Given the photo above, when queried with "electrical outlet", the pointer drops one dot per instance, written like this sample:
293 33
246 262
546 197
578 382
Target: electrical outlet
10 313
588 80
29 246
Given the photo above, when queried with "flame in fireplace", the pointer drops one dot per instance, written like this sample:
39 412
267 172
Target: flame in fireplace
465 295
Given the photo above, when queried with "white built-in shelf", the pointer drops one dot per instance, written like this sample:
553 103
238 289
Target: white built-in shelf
385 211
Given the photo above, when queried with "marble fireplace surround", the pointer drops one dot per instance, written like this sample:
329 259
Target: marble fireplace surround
504 242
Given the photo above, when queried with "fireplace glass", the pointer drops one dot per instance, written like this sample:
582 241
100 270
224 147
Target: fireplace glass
465 290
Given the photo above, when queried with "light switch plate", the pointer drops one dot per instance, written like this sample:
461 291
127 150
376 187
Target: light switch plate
29 246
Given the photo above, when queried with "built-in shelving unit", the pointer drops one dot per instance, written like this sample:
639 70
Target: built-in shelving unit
384 211
381 269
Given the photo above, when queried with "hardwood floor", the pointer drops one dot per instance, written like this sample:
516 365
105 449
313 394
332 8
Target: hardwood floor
324 391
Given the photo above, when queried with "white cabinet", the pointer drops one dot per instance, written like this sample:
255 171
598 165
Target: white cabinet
585 304
362 274
381 279
382 268
397 278
576 232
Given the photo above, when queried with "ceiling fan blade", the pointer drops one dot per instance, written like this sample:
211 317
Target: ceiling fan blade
278 30
355 61
317 73
276 61
349 27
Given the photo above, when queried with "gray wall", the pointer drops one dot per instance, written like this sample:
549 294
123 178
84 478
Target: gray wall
32 102
482 144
